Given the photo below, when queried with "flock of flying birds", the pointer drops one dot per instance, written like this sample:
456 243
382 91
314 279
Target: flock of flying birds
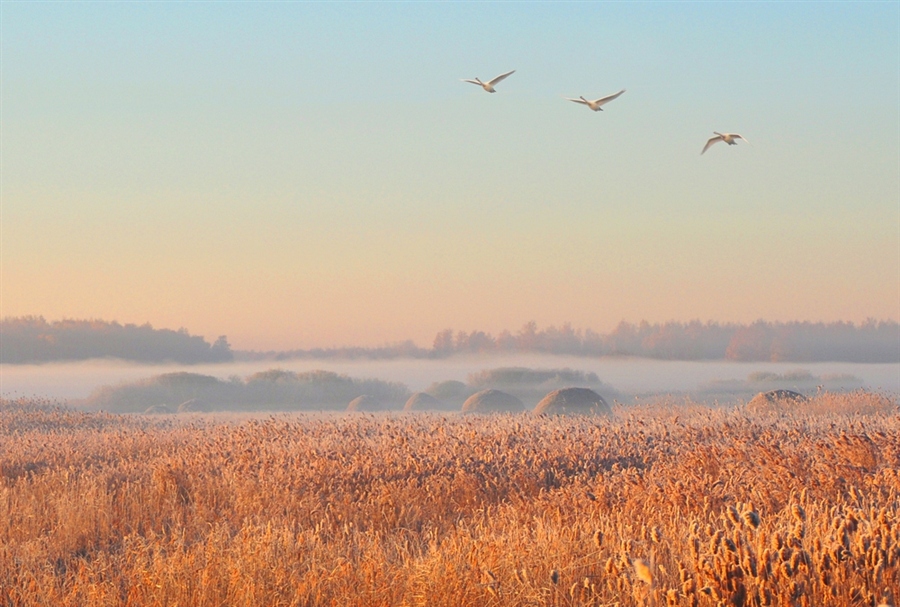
596 105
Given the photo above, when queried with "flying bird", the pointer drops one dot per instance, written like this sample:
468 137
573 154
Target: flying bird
595 104
728 138
489 85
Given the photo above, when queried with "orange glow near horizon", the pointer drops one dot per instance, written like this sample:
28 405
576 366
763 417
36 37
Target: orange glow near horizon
306 175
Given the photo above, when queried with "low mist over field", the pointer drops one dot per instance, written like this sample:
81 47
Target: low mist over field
306 386
630 377
76 359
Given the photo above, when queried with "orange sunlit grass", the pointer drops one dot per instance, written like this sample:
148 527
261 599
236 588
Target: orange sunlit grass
667 504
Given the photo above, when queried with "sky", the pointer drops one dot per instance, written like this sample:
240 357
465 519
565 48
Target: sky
311 174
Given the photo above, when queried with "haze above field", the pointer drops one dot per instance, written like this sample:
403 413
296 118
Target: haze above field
298 175
630 376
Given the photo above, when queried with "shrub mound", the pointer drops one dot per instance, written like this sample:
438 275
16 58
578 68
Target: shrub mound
531 385
422 401
774 400
573 401
492 401
366 402
275 389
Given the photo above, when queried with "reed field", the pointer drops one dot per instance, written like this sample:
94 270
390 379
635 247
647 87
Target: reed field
670 503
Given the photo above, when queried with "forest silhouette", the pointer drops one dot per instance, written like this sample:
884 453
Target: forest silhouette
32 339
872 341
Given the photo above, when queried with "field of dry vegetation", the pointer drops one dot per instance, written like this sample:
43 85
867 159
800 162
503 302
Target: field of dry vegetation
667 504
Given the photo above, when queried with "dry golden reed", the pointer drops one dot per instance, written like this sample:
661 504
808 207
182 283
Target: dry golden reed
714 506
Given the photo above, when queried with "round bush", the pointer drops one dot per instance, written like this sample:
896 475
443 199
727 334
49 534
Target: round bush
365 403
422 401
573 401
492 401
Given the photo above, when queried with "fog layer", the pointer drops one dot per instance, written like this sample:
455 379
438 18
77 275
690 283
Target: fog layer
630 376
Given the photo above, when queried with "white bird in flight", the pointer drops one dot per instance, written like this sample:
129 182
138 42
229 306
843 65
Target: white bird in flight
728 138
595 104
489 85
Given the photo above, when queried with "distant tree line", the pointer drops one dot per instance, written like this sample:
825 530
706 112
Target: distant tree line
404 349
868 342
278 389
274 389
871 341
31 339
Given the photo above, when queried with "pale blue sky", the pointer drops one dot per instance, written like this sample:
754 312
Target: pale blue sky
299 174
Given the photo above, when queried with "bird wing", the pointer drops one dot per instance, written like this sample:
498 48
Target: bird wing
741 137
472 81
499 78
582 101
711 141
608 98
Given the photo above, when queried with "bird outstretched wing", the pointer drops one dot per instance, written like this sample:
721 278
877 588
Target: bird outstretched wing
581 101
711 141
608 98
499 78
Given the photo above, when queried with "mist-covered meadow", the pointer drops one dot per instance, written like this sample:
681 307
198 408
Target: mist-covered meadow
623 378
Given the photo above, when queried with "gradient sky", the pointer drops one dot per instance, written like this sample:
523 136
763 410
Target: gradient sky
315 174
